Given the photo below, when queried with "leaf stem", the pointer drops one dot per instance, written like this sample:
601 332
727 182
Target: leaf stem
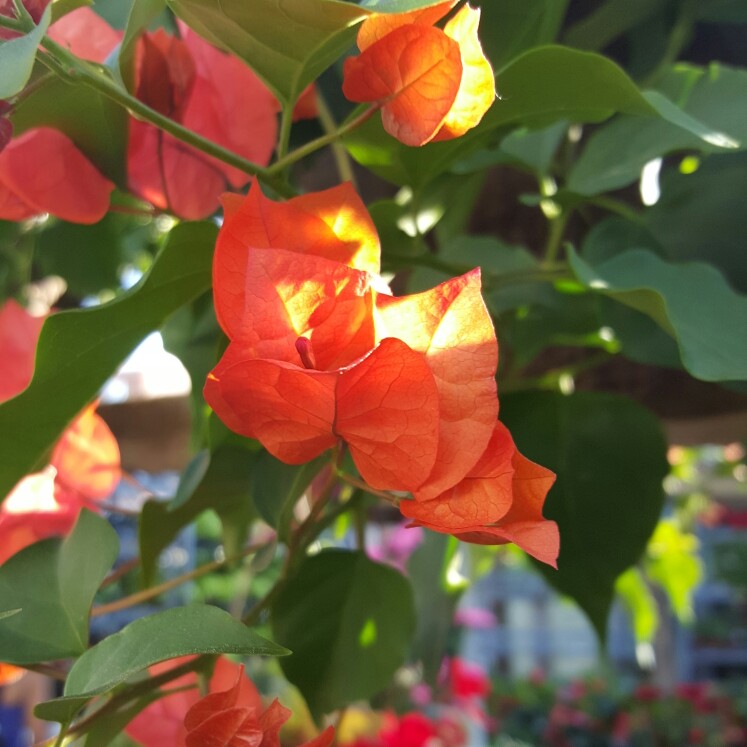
555 233
286 123
138 689
617 206
342 160
314 145
356 483
123 570
154 591
94 78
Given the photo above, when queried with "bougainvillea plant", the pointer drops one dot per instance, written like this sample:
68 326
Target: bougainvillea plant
339 212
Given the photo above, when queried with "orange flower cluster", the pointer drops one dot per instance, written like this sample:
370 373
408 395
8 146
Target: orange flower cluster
321 352
230 715
431 84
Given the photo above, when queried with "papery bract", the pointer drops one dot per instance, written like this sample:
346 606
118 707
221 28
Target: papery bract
231 715
42 171
86 458
10 674
430 84
32 513
162 722
19 332
86 34
500 500
211 93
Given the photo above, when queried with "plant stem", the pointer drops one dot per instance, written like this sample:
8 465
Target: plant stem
618 207
60 737
286 122
554 237
678 38
342 160
356 483
154 591
91 76
123 570
314 145
134 692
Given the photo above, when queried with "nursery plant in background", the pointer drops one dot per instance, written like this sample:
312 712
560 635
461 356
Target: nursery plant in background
339 213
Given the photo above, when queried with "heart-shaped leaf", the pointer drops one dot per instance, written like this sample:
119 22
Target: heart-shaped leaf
609 454
349 621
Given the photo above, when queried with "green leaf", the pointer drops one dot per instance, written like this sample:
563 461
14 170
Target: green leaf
192 334
609 454
17 57
63 7
182 631
225 488
510 27
695 218
142 14
435 600
259 33
536 149
96 124
673 562
553 318
78 350
715 100
53 583
639 603
87 257
610 20
190 479
710 334
276 488
640 338
349 622
723 11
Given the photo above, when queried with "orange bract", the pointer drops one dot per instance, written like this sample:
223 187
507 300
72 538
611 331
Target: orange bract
42 171
87 457
320 352
500 500
380 24
220 720
430 84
